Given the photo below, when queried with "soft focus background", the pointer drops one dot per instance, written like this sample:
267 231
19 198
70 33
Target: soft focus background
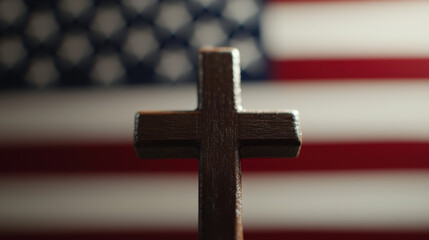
74 72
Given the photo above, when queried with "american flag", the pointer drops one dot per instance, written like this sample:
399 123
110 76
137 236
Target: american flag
74 72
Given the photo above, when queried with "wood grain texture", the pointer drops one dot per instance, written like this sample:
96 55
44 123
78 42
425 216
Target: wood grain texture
269 134
218 132
219 164
167 134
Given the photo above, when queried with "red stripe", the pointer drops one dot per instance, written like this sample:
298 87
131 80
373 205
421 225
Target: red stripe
121 158
249 235
350 69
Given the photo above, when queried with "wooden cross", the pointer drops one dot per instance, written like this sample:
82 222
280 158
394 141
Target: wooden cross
218 132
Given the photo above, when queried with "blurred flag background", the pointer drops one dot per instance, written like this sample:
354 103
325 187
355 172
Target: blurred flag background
74 72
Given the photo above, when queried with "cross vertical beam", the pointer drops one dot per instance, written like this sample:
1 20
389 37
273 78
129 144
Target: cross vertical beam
219 162
218 132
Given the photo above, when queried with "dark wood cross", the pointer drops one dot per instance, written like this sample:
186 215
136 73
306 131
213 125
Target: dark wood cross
219 132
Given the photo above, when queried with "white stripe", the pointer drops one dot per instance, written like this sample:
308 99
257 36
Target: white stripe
332 201
346 29
329 111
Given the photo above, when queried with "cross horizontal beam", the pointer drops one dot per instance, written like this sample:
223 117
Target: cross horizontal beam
269 134
175 134
167 134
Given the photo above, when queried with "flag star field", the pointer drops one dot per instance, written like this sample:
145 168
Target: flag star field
65 43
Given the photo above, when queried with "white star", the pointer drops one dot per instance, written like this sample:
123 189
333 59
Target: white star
173 15
42 72
174 64
74 48
10 10
140 42
240 10
11 51
208 32
107 69
42 25
107 21
74 7
138 5
251 56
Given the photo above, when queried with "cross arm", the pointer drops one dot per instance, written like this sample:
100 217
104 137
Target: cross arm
269 134
168 134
